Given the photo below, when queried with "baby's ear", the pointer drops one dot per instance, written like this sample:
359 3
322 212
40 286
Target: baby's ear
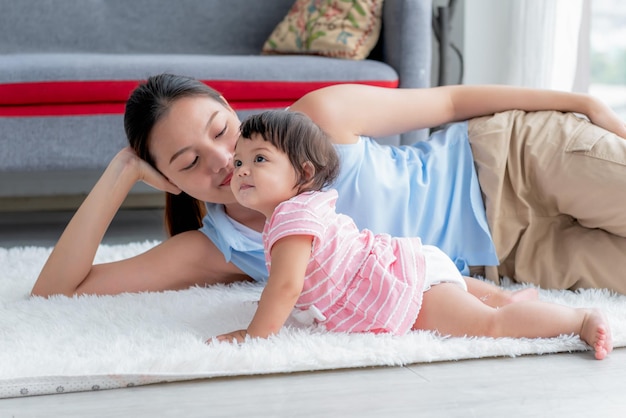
309 170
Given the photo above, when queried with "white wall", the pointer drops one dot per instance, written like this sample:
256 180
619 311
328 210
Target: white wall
487 38
486 41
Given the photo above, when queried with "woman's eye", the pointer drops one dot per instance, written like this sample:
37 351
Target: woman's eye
193 163
221 132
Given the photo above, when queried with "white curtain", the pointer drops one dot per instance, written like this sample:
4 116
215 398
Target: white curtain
545 42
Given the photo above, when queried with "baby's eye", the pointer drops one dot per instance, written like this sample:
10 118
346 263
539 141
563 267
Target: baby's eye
259 159
237 163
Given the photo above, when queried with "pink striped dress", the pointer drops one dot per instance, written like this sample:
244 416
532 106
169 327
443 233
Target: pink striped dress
359 281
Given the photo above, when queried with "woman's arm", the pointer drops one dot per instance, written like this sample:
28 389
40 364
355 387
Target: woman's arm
290 256
70 270
346 111
185 260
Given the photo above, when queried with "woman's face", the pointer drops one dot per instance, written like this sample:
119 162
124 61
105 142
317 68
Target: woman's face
193 145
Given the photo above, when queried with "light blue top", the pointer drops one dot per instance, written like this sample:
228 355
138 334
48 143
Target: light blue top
429 190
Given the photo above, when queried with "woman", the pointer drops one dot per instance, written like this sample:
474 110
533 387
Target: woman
188 132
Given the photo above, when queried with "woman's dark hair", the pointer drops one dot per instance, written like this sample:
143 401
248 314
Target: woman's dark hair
147 104
302 140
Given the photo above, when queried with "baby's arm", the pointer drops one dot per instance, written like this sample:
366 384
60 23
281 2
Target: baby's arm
290 256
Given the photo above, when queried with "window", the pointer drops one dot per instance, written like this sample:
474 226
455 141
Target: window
608 53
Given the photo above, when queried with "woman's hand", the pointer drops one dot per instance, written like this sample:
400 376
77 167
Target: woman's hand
145 172
603 116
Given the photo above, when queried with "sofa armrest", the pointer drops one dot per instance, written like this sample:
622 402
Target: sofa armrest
407 45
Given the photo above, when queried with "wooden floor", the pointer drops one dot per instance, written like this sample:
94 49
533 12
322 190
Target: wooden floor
563 385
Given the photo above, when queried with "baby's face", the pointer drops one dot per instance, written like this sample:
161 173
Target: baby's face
263 176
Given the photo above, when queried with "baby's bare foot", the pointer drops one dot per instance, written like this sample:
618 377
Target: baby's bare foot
595 331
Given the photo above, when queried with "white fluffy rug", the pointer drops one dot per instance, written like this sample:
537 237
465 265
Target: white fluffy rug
84 343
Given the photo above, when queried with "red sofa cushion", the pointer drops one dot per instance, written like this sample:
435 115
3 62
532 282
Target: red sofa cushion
68 98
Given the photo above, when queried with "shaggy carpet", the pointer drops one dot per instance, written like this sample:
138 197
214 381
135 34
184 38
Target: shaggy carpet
68 344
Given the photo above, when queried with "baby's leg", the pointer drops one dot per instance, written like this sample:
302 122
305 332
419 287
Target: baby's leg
495 296
449 310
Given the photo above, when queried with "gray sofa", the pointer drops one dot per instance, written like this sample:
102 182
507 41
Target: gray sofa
66 67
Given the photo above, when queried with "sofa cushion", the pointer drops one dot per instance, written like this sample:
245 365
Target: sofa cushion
333 28
216 27
77 84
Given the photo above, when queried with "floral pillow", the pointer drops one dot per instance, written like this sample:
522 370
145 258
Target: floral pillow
333 28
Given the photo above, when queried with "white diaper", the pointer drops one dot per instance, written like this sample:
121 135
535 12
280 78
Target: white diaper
440 268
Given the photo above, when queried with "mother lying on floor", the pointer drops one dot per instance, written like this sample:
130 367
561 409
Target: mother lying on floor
513 187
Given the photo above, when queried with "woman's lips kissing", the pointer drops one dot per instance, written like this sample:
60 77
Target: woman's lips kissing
226 181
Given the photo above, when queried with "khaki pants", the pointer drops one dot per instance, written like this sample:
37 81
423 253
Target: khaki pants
554 187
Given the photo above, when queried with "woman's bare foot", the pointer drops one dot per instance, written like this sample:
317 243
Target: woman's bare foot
501 297
496 296
530 293
596 332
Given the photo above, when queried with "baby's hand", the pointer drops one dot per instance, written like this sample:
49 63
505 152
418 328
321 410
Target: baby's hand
233 337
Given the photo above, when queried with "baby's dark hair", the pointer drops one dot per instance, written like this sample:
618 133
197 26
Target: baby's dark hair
301 140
